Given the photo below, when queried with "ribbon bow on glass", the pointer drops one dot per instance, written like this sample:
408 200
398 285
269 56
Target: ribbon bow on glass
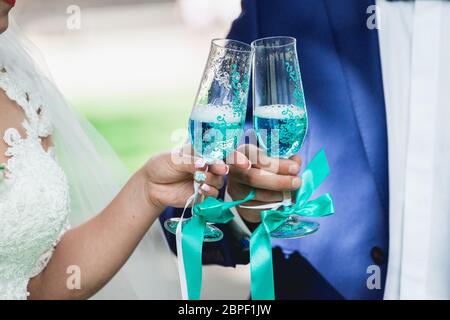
261 265
192 233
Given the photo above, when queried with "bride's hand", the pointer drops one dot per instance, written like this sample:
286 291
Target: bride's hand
169 183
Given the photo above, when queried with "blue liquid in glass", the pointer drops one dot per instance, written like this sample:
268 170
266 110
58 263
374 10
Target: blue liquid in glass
281 129
215 131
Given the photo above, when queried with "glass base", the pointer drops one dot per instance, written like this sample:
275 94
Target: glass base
294 227
212 233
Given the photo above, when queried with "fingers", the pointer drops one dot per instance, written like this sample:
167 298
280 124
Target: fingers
260 160
211 183
219 168
208 191
239 191
251 166
245 157
297 159
192 164
239 160
214 180
164 195
265 180
267 196
214 174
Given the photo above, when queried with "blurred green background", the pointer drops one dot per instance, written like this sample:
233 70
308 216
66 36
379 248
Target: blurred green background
134 128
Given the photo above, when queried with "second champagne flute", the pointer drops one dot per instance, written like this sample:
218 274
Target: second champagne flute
279 111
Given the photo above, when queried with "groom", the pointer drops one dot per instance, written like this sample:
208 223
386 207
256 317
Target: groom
340 64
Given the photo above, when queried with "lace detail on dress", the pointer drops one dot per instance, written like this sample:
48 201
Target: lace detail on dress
34 197
44 259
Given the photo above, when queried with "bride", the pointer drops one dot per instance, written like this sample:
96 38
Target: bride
48 237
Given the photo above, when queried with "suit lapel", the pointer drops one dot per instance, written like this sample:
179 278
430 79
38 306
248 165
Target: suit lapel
358 50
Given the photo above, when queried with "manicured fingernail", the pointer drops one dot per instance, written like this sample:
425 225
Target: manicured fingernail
249 165
200 163
205 188
296 182
293 169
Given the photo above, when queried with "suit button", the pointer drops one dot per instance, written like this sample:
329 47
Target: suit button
377 255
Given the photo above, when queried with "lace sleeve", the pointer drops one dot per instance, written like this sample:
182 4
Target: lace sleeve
44 259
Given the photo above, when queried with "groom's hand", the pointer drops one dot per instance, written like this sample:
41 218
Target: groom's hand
268 176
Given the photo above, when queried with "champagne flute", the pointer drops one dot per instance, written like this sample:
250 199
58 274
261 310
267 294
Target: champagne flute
216 124
279 111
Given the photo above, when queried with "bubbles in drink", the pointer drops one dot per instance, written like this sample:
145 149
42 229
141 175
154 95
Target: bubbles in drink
215 131
281 129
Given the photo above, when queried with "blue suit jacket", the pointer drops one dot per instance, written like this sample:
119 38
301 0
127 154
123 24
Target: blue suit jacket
340 63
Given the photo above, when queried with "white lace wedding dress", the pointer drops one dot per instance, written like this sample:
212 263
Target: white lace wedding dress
34 196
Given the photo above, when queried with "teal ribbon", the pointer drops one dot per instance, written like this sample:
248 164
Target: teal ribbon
261 265
211 210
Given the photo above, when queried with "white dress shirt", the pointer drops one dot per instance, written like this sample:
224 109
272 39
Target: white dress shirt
415 56
414 40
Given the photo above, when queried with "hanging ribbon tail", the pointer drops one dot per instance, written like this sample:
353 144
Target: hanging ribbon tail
261 263
178 238
192 246
261 270
192 235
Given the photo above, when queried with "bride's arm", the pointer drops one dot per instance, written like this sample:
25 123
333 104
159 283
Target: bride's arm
102 245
